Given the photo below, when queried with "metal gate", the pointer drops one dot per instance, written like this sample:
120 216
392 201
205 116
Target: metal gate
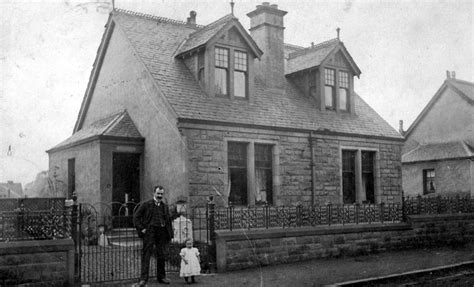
108 247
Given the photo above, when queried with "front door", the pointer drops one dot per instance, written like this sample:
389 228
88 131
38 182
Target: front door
126 186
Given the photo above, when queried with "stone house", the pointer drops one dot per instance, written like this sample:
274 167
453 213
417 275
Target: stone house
216 111
438 154
11 189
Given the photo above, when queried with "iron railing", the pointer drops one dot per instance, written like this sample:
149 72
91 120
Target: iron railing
35 225
297 216
438 205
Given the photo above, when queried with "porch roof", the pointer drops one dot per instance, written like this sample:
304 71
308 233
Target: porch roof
118 124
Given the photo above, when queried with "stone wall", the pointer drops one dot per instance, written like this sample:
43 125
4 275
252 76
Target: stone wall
37 263
292 174
253 248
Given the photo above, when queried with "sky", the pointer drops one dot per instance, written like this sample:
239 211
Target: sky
47 49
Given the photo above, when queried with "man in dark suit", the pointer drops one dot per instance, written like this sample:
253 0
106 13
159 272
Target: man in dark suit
153 223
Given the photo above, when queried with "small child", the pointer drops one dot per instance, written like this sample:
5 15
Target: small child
190 266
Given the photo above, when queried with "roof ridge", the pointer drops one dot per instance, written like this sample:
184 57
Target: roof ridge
113 122
212 24
461 81
157 18
293 46
315 47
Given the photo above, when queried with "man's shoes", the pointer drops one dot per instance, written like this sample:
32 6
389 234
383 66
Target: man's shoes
142 283
164 281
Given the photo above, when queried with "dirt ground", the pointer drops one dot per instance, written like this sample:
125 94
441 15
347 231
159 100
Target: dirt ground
330 271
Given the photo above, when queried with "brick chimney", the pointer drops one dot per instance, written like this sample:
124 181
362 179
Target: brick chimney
266 28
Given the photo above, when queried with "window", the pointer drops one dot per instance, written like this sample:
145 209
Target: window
71 177
312 84
263 174
221 78
343 91
348 176
429 181
329 88
368 177
240 74
201 70
237 161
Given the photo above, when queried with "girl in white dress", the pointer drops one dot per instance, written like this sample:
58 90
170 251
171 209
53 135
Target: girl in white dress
190 266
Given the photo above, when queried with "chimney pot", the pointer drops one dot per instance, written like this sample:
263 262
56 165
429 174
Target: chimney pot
453 74
274 6
400 127
10 182
192 17
448 76
266 3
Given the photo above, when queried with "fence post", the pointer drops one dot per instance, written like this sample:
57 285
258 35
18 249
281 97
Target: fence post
329 214
381 212
211 225
75 226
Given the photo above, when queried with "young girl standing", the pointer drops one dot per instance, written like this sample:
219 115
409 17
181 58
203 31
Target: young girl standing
190 266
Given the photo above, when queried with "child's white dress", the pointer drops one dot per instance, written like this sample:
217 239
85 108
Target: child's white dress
193 267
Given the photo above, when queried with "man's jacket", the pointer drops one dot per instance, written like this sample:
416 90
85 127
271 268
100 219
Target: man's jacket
143 216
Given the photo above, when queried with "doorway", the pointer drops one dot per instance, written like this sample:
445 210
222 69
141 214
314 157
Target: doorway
126 184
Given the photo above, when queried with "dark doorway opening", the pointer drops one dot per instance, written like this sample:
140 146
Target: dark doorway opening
126 187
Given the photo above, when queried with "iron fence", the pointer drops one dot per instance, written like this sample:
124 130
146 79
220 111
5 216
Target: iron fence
297 216
108 247
438 205
35 225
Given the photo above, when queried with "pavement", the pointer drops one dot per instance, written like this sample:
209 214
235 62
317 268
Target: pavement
329 272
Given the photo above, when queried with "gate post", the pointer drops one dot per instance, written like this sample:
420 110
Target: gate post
212 235
75 234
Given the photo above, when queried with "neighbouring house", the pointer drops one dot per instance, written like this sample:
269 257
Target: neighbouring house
217 111
11 189
438 155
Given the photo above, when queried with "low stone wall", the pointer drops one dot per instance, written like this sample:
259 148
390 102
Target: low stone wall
241 249
37 263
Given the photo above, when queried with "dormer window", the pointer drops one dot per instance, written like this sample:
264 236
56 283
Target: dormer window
240 74
221 78
201 68
330 88
343 91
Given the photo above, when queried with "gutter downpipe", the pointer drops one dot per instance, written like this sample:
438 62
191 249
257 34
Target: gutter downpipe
313 172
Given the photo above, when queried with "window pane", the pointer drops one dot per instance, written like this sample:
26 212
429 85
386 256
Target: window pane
343 99
329 77
429 181
368 187
328 94
240 61
240 84
237 161
263 174
222 57
348 176
220 79
343 80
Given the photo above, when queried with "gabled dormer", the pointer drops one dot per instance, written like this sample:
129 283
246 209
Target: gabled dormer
221 57
325 72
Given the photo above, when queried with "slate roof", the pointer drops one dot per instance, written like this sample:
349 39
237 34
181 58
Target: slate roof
465 88
155 42
202 36
310 57
462 88
438 151
118 124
